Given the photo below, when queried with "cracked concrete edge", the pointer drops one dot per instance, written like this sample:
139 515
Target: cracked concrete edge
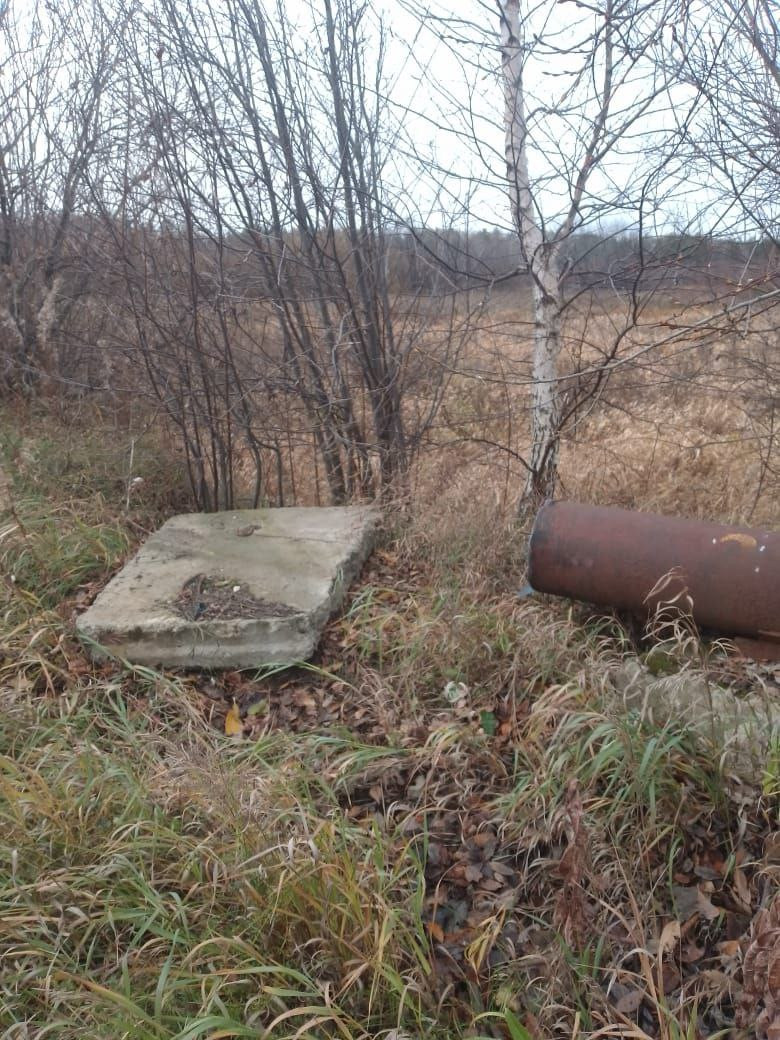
225 645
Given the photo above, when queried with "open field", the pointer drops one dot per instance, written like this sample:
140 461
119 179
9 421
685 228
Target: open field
446 826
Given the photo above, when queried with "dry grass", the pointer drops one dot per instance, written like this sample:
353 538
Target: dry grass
689 428
446 826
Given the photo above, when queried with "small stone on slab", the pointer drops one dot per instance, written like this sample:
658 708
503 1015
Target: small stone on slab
238 589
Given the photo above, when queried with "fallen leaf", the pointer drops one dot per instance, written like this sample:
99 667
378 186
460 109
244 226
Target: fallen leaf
436 931
491 886
488 722
233 723
707 909
303 699
742 889
259 708
691 953
670 936
453 915
707 873
457 876
501 868
670 978
629 1002
691 900
772 847
716 983
436 852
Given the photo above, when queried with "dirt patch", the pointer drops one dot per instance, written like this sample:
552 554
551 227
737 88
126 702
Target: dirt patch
207 598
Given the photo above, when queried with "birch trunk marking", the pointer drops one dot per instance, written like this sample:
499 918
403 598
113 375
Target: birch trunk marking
541 258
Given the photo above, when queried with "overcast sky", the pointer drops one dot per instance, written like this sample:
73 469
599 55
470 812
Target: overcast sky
444 78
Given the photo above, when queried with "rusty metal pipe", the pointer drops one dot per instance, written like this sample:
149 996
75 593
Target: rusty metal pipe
614 557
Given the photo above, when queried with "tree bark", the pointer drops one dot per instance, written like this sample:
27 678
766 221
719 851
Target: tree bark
541 258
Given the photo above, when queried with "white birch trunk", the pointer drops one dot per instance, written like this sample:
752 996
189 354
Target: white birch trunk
542 259
545 399
11 345
46 361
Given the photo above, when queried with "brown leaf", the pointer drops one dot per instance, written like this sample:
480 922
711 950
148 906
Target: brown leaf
304 699
670 978
473 872
716 983
707 873
742 889
500 868
691 953
435 931
457 876
630 1002
691 900
772 847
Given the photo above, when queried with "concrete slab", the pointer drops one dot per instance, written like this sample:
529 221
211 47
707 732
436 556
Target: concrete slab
231 590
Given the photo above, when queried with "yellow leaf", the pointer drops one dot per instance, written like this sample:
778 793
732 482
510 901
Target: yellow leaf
233 723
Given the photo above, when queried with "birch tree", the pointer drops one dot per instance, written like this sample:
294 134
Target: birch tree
585 148
542 259
610 85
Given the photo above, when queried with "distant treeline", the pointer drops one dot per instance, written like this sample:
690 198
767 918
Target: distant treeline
421 260
621 260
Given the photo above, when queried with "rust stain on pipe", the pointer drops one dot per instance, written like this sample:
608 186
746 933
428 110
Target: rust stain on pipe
615 557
